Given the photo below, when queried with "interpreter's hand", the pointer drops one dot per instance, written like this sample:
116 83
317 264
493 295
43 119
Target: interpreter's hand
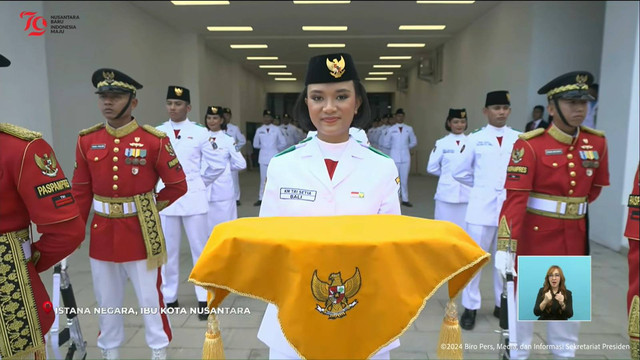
547 297
560 298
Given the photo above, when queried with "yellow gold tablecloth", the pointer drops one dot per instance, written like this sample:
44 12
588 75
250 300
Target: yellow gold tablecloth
389 266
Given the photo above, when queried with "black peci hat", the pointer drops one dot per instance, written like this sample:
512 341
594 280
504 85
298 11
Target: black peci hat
215 110
178 93
226 111
267 112
572 85
400 111
500 97
331 68
458 113
4 62
110 80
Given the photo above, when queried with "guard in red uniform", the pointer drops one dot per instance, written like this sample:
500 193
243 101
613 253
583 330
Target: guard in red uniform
551 177
118 163
33 189
633 295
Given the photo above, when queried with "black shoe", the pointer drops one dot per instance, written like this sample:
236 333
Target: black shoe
173 304
257 203
468 319
202 315
237 202
407 204
496 312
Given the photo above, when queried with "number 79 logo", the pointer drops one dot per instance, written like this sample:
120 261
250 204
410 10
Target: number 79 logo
36 23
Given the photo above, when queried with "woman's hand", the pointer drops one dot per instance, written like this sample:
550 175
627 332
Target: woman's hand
547 297
560 299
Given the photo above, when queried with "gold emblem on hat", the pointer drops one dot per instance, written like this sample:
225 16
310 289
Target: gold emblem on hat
463 114
214 109
108 76
178 91
581 79
508 97
336 68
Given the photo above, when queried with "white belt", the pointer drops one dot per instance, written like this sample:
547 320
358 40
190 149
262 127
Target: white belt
557 207
105 208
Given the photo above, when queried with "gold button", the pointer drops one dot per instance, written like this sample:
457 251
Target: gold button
115 177
535 228
572 174
571 192
555 164
95 226
115 150
573 183
115 168
570 148
569 156
95 158
572 165
117 141
115 187
115 159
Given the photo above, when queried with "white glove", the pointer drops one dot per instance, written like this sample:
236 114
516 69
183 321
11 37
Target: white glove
504 261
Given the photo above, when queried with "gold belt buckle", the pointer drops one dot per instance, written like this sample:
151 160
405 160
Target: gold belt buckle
572 209
115 209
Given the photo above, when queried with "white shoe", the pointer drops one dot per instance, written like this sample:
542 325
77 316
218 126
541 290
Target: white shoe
159 354
110 354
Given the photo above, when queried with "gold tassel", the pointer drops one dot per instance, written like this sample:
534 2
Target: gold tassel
450 342
213 347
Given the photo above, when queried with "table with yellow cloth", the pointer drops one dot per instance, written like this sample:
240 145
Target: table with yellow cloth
374 274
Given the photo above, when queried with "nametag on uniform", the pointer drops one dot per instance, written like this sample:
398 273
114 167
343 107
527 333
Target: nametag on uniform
484 143
553 152
448 151
297 194
98 146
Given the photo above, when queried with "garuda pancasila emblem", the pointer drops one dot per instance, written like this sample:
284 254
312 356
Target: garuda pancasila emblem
335 294
47 163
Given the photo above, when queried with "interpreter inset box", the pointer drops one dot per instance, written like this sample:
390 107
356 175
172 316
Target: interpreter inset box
554 288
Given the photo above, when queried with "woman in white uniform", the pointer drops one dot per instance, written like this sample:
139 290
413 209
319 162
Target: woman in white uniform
451 196
221 194
325 170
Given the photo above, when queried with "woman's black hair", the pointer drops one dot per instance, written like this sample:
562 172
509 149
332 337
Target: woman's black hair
446 123
360 120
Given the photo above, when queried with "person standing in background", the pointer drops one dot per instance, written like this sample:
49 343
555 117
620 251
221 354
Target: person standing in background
399 140
483 167
240 141
451 196
538 119
270 141
202 167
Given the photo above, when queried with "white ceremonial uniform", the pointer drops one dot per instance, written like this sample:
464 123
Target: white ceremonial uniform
194 151
304 169
240 140
290 134
483 166
399 140
358 134
220 193
270 141
382 136
372 135
451 196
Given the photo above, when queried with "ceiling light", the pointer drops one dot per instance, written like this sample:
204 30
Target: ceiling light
262 58
395 57
280 73
248 46
444 2
380 72
375 78
285 79
327 45
272 66
407 45
200 2
310 2
387 66
325 28
422 27
229 28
